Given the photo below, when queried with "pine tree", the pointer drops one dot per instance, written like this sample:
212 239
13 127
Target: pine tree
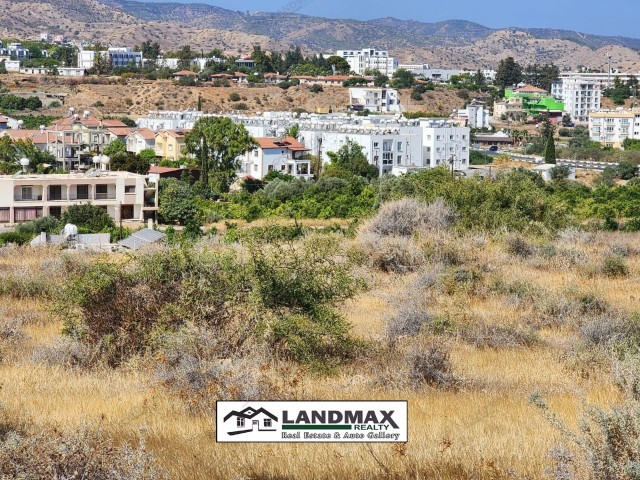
550 150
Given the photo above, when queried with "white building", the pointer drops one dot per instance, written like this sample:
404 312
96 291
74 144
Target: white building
369 59
14 50
71 72
445 144
10 65
117 56
380 100
443 74
123 195
392 143
603 80
281 154
580 97
140 139
612 127
476 115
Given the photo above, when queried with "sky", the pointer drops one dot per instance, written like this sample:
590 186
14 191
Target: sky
588 16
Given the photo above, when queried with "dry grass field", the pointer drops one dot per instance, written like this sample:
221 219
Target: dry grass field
519 328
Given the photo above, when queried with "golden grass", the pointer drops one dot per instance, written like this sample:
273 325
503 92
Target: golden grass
484 430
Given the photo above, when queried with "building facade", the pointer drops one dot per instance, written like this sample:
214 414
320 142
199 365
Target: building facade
285 155
123 195
369 59
380 100
612 127
580 97
14 50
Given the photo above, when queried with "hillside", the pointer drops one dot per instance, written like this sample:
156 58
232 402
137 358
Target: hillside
453 43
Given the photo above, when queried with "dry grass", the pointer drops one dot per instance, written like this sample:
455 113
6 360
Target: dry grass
482 429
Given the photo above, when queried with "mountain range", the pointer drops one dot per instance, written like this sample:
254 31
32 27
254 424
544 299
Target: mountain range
453 43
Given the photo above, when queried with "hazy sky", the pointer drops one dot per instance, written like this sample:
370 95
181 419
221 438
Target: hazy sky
589 16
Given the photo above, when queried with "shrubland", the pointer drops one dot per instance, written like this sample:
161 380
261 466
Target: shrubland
463 296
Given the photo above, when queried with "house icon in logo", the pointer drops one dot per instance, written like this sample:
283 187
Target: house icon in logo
251 420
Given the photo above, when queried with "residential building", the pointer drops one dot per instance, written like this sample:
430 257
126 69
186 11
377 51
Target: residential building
35 71
498 139
379 100
11 65
14 50
444 75
602 80
612 127
246 62
170 144
510 109
140 139
475 115
369 59
157 120
280 154
545 171
123 195
117 56
445 144
580 97
157 173
71 72
536 101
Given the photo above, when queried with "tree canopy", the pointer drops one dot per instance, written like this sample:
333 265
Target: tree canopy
509 73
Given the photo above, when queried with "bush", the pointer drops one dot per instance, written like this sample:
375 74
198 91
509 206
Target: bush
17 238
240 106
614 266
483 335
42 224
518 246
430 366
392 254
316 88
234 97
92 218
53 454
405 217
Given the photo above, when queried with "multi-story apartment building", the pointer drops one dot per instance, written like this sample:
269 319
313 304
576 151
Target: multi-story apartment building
602 79
14 50
369 59
475 115
170 144
580 97
380 100
395 145
118 56
123 195
280 154
612 127
445 144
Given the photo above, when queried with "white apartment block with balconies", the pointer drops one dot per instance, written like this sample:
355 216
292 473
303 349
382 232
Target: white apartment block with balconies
117 56
379 100
369 59
14 50
580 97
612 127
445 144
123 195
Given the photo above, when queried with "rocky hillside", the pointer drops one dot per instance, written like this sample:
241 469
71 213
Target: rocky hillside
454 43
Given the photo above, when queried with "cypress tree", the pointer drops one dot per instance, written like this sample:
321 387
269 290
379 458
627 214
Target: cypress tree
550 150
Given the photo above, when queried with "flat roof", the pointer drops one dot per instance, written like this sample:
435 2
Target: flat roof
72 176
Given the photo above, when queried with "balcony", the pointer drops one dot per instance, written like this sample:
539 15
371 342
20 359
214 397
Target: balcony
105 196
27 198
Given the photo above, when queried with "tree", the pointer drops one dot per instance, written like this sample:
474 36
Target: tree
541 76
580 138
627 169
403 78
102 63
130 162
150 50
117 146
185 55
380 80
3 68
294 131
217 142
93 218
340 64
148 154
261 60
178 202
550 150
509 73
631 144
350 161
560 172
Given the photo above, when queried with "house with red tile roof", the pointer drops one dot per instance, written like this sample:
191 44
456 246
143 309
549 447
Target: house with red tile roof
140 139
285 155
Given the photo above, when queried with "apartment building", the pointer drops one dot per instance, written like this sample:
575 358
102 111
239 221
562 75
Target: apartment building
123 195
14 50
580 97
369 59
445 144
475 115
379 100
602 79
140 139
281 154
612 127
118 56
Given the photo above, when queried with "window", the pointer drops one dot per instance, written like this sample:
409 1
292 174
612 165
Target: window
27 193
255 153
399 160
399 146
83 192
101 189
267 423
255 167
270 168
240 422
129 189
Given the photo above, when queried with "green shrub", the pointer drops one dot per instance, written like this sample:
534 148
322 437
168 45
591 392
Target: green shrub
18 238
234 97
615 266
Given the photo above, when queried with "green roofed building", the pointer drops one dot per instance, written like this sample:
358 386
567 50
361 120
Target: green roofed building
536 101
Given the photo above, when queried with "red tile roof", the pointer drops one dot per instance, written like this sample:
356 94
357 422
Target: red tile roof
530 89
184 73
161 170
113 123
289 143
120 131
145 133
